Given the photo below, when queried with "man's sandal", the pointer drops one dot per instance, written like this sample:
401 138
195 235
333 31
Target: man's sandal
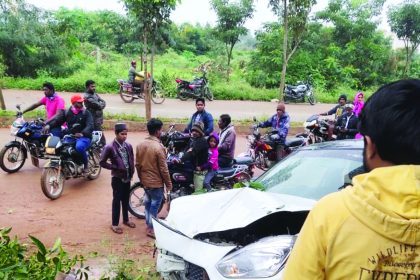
130 224
117 229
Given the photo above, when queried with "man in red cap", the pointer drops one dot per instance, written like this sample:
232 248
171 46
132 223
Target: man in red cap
80 124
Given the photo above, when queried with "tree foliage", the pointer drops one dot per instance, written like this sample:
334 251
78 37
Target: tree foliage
404 20
231 17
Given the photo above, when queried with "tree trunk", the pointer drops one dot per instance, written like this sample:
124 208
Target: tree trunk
2 105
405 71
146 80
285 48
228 62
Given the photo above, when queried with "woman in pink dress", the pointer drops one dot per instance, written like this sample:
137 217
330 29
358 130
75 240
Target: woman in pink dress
358 106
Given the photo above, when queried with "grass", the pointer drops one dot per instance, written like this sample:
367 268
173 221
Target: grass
167 67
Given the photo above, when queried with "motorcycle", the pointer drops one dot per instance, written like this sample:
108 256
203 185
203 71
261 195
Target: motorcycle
299 91
64 162
316 129
199 87
28 137
182 174
262 148
129 93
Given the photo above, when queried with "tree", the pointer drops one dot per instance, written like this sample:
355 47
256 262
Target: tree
404 20
151 15
294 15
231 18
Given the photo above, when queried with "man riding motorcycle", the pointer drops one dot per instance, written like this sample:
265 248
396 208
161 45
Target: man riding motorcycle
134 77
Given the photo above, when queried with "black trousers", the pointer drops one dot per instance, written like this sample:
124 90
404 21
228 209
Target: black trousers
120 196
225 162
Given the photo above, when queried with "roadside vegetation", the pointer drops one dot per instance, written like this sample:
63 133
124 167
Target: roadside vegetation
68 47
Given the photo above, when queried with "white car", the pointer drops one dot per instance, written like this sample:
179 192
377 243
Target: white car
246 233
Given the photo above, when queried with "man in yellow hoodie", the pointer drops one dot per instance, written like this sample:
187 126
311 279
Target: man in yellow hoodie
371 230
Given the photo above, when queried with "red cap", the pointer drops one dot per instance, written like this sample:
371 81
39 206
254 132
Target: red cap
76 98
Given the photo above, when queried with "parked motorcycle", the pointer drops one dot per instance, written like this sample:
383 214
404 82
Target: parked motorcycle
316 129
262 148
183 183
298 92
64 162
129 93
28 137
199 87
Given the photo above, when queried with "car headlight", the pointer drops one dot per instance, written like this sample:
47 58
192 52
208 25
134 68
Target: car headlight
261 259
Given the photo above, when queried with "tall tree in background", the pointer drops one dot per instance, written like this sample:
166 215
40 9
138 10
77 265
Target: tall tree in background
151 15
231 17
404 20
294 15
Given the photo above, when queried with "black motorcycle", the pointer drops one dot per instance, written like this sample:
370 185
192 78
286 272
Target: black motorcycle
28 137
199 87
129 93
64 162
298 92
316 129
183 181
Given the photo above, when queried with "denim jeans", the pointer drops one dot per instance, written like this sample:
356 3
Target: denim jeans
210 174
82 145
152 201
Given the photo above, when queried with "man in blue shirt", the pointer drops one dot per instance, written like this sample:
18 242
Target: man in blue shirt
280 122
201 116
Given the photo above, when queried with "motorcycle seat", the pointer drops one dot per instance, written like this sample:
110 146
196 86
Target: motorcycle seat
294 142
291 87
226 172
245 160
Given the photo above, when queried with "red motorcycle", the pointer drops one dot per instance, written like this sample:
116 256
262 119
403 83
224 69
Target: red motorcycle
266 150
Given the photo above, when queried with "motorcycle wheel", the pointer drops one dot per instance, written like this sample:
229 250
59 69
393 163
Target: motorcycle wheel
12 158
208 94
52 182
125 96
182 94
261 162
243 178
94 167
311 99
158 96
136 201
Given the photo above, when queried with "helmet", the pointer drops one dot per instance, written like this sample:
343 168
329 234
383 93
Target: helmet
133 62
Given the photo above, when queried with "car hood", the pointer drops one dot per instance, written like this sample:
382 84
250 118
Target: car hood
229 209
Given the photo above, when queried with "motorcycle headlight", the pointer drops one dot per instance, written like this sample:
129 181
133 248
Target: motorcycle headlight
50 151
261 259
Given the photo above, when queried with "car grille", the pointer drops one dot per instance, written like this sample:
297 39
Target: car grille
195 272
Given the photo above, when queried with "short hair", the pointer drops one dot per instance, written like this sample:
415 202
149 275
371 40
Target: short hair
200 99
225 119
89 82
391 118
49 86
154 125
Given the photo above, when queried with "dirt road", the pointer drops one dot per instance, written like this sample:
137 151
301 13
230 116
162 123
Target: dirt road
81 217
175 108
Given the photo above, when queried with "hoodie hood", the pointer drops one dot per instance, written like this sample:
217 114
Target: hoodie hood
215 135
387 200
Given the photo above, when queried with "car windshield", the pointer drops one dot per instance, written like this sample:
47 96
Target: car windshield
312 173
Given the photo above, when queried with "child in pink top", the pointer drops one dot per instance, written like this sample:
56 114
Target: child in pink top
212 165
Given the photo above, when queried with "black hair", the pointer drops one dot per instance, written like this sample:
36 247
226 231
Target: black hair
200 99
225 119
154 125
89 82
343 96
49 86
391 118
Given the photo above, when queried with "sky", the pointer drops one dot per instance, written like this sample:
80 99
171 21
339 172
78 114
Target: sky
192 11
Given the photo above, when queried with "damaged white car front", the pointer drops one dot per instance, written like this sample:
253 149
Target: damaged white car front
234 234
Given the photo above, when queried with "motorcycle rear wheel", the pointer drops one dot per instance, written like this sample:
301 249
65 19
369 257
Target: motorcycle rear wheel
182 94
136 201
13 155
158 96
208 94
94 167
52 182
311 98
125 96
